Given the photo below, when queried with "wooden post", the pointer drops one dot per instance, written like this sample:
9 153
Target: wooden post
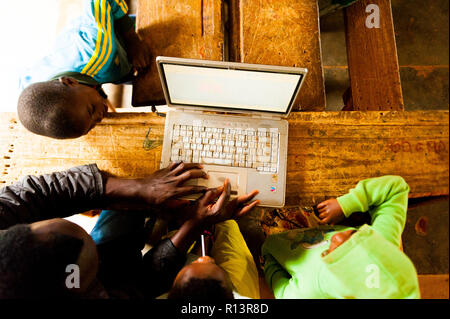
372 56
178 28
281 32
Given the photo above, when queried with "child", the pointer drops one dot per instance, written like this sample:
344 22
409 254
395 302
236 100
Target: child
62 95
230 274
346 262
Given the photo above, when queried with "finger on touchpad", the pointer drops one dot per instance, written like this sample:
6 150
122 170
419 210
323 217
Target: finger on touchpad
217 179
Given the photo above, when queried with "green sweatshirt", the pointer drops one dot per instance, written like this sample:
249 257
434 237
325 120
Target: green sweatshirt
368 265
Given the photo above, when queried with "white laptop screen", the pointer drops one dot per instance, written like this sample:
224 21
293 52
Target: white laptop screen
230 88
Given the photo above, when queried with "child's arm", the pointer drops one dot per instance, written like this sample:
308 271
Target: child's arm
276 276
386 200
137 51
279 271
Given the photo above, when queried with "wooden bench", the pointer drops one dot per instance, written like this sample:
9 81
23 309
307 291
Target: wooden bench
372 58
328 152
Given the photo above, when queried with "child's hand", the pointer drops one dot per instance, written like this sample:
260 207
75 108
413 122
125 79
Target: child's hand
138 52
211 212
330 212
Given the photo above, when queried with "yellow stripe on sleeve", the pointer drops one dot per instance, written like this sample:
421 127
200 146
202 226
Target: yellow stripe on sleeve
105 7
109 39
99 39
123 5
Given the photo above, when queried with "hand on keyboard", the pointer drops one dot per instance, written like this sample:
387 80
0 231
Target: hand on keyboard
167 183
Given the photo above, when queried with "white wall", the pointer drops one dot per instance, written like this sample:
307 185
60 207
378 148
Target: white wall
27 33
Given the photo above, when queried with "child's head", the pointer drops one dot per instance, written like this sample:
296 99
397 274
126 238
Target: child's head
61 109
203 279
367 265
338 239
34 260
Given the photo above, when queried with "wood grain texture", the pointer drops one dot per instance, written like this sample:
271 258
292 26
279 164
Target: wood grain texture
186 29
434 286
372 58
329 152
281 32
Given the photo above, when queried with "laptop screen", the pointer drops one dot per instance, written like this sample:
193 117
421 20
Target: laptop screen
208 86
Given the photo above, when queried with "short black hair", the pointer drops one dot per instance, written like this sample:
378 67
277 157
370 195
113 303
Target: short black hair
201 289
31 268
42 110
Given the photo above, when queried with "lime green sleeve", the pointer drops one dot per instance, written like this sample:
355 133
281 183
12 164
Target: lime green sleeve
276 277
283 282
386 200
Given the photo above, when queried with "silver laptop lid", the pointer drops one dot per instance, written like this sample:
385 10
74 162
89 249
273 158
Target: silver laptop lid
228 86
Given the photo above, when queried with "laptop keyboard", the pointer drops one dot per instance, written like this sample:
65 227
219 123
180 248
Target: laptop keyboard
256 148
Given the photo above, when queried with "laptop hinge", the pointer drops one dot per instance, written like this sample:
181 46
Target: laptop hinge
182 109
266 116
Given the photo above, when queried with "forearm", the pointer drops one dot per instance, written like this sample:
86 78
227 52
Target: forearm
276 277
53 195
162 263
167 258
187 234
125 29
386 200
66 193
373 192
122 194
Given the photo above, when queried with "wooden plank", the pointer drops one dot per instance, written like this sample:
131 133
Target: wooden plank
425 235
281 32
329 152
372 58
434 286
186 29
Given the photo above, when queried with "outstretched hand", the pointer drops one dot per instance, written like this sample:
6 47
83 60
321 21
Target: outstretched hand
209 211
206 212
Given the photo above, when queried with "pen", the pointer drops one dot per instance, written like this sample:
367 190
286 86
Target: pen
203 245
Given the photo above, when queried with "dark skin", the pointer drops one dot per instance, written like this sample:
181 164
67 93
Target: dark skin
207 212
118 192
330 212
87 107
203 268
213 207
338 239
88 258
137 51
162 187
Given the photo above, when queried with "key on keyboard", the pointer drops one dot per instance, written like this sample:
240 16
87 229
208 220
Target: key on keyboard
249 148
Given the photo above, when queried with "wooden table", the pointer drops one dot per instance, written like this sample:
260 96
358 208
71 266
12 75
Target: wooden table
328 152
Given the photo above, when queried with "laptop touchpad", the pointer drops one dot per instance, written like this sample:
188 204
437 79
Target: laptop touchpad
217 179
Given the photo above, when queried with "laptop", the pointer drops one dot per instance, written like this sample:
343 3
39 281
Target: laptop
230 117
